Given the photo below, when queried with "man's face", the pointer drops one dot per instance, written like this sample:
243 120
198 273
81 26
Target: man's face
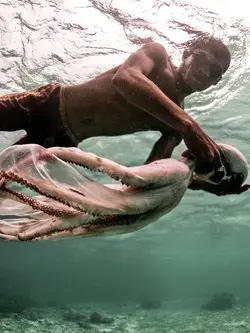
200 70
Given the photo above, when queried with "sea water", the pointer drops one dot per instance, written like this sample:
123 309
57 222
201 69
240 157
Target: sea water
156 279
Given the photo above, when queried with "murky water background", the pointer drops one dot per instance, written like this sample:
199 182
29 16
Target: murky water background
200 248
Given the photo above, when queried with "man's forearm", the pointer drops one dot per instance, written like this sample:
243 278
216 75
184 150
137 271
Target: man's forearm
163 148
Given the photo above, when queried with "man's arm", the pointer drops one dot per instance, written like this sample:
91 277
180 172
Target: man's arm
226 187
163 148
131 81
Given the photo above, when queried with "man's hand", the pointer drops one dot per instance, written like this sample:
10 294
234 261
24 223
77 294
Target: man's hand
208 155
231 185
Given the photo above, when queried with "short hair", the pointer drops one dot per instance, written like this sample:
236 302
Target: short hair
211 45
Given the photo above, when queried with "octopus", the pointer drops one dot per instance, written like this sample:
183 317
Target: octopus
45 193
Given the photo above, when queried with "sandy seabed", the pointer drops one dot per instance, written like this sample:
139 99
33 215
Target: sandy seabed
125 319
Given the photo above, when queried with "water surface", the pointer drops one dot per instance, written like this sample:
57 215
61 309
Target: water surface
200 248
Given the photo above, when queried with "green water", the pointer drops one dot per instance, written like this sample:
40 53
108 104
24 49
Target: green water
202 247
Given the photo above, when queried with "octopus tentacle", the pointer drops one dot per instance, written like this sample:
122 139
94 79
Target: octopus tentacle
65 195
8 237
36 205
32 228
39 228
100 164
95 227
83 159
8 227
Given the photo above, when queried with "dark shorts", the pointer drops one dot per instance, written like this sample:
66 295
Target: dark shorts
37 111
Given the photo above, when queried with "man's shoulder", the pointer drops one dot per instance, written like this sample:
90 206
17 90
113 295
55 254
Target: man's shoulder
154 47
156 52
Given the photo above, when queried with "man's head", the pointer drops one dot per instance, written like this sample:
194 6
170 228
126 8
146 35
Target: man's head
204 62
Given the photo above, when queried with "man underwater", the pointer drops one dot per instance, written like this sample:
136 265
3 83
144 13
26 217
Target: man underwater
146 92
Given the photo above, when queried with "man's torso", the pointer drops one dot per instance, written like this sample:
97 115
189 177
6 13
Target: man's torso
95 108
